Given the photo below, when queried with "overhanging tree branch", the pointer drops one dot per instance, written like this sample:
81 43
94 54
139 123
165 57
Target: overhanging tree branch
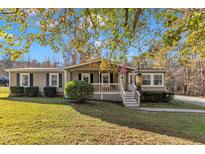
90 17
126 16
136 18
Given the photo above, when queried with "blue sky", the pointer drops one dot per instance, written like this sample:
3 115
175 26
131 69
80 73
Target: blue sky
40 53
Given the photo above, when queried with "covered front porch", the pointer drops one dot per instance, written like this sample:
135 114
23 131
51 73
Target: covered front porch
102 82
108 85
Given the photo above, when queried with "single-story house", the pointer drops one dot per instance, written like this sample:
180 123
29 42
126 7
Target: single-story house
109 86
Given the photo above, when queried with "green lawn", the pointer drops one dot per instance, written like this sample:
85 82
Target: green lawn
4 92
174 104
55 121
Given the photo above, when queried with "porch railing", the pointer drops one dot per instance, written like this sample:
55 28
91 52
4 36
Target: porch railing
106 88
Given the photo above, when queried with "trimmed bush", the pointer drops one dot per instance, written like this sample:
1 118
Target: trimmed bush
168 96
151 96
32 91
49 91
4 81
17 91
78 90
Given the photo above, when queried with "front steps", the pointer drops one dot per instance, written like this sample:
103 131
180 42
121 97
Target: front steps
130 100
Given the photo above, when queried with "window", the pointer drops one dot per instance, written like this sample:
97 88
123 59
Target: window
86 77
146 80
105 78
54 79
157 79
24 79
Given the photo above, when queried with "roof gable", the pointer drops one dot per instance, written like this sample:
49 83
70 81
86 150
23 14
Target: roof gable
91 66
94 61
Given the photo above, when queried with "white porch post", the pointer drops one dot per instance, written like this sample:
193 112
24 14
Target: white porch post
132 77
9 82
99 76
101 95
65 80
9 79
65 76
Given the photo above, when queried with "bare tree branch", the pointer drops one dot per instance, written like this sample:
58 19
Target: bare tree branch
136 18
91 19
126 16
7 13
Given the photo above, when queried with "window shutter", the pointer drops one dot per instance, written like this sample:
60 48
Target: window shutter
47 79
31 80
79 76
60 81
91 78
18 79
111 78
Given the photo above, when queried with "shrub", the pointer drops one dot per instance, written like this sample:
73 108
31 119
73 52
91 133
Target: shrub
32 91
49 91
168 96
78 90
151 96
4 81
17 91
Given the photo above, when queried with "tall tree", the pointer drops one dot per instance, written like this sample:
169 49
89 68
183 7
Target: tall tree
75 31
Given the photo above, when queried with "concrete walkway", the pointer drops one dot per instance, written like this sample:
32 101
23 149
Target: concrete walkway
190 99
170 110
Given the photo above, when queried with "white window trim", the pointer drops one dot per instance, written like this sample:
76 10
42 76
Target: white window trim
151 82
21 74
162 85
85 75
151 79
50 83
108 74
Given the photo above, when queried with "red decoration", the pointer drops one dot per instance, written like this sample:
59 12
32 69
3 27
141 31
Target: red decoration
123 70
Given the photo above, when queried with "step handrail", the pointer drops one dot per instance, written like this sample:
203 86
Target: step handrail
137 93
122 92
122 89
